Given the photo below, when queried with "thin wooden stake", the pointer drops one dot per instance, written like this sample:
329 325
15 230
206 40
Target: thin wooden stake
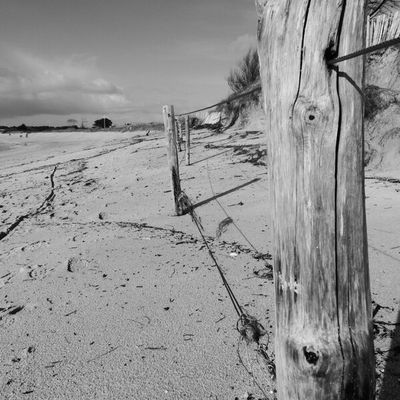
314 125
169 124
187 129
178 134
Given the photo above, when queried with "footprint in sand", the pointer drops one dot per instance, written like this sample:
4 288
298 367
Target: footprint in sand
7 315
38 272
34 246
6 322
25 355
5 279
77 264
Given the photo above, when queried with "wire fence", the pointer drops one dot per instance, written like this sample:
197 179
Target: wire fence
250 329
248 326
255 88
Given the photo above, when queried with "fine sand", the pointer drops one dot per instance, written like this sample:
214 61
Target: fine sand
105 294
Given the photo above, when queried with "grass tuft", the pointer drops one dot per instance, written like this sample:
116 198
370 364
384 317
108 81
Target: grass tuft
243 77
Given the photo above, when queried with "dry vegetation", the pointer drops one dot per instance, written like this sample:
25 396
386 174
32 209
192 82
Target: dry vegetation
243 77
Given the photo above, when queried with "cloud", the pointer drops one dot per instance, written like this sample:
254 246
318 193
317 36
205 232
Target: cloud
30 85
242 44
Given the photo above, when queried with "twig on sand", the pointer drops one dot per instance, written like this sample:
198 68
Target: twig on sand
188 336
104 354
138 322
156 348
53 364
46 203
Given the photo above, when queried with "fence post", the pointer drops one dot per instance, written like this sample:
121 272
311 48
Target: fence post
178 134
314 121
187 129
169 124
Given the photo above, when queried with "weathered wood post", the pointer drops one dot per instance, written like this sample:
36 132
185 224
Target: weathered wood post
314 124
178 134
169 124
187 130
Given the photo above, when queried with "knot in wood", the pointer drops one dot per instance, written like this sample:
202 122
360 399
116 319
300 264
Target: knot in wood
308 113
311 355
312 115
331 52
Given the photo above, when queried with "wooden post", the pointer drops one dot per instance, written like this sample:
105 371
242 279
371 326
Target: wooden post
178 134
314 124
187 129
169 124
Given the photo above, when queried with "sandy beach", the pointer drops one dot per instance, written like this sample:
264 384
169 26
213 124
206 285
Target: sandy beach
105 294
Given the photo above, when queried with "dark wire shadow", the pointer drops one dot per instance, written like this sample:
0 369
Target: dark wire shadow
202 203
207 158
352 82
390 388
349 79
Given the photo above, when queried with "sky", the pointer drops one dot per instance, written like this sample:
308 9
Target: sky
124 59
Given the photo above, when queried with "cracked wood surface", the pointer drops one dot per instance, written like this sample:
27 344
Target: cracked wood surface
314 126
173 161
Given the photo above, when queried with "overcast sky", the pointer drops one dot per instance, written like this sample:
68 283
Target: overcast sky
64 59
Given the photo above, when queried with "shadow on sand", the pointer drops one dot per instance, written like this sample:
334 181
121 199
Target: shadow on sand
207 158
390 389
203 202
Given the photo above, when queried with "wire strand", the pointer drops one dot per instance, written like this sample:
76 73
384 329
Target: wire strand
226 213
258 87
232 296
367 50
228 100
371 15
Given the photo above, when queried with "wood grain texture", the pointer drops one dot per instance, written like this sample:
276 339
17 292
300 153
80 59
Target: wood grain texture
187 129
324 347
178 133
173 162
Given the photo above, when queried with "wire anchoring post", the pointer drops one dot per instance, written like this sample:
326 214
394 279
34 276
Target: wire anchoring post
170 131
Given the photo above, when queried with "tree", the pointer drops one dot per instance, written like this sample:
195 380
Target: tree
23 128
102 123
